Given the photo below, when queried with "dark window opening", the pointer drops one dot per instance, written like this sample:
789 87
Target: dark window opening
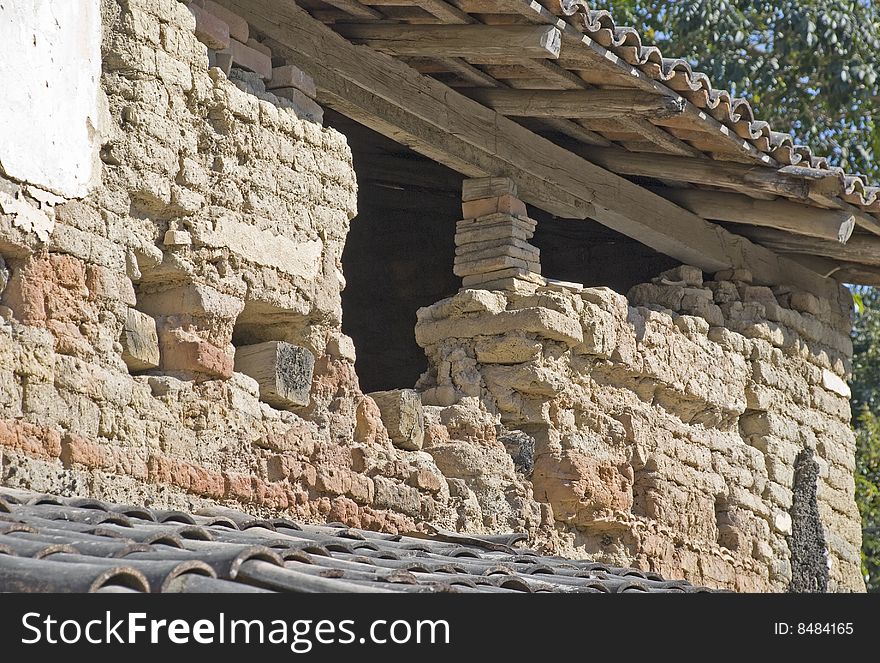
398 256
585 251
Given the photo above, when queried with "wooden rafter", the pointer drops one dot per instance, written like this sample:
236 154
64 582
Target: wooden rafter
443 124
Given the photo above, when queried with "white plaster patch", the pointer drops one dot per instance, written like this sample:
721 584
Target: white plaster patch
27 216
51 69
300 259
834 383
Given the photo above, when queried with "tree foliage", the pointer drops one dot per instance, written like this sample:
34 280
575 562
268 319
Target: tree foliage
866 415
810 67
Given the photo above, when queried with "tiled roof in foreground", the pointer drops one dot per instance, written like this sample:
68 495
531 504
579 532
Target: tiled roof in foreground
58 544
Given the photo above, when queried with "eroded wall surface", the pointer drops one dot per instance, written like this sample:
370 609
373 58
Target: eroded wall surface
661 432
666 428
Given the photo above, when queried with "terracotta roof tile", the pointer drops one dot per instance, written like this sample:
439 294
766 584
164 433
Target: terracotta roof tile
56 544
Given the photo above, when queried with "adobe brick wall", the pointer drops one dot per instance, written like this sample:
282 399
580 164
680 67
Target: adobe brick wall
667 424
664 438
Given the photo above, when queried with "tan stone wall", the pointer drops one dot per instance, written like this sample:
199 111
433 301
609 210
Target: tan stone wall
598 427
666 427
221 218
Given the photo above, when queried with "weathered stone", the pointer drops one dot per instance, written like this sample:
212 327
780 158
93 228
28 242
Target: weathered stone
403 417
283 371
186 352
507 349
540 321
685 275
520 273
741 275
494 264
210 29
140 343
502 249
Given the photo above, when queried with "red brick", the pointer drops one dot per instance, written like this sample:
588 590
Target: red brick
212 31
506 204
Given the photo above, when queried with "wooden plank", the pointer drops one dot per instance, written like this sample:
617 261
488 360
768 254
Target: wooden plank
437 8
583 104
860 249
468 72
708 172
477 43
355 9
831 225
496 145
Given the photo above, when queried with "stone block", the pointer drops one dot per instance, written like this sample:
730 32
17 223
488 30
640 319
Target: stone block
506 204
498 249
685 275
238 27
292 76
540 321
481 280
303 106
258 46
186 352
805 303
741 275
177 238
211 30
283 371
503 246
511 285
249 58
403 417
507 350
140 342
487 187
491 265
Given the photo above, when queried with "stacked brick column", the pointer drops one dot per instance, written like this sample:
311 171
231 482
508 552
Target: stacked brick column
492 248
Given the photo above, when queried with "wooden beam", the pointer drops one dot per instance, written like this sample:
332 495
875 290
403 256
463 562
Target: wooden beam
844 272
865 221
477 43
861 249
459 132
583 104
831 225
723 174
